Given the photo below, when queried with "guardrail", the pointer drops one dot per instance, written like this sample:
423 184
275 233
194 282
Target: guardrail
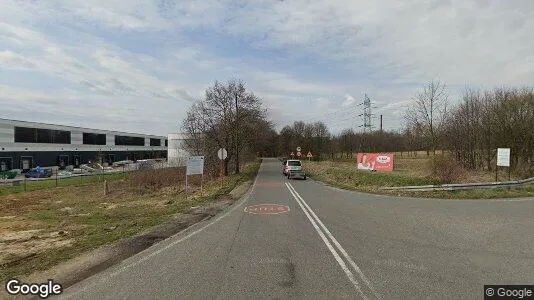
461 186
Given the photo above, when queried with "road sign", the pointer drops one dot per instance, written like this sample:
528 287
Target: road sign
292 154
503 157
298 149
195 165
299 154
267 209
222 154
309 155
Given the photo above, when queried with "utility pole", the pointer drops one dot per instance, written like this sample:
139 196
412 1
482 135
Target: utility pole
236 135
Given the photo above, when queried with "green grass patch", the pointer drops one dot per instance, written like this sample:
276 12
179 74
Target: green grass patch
499 193
347 176
50 183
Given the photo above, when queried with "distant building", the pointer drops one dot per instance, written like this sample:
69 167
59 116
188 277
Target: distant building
24 145
180 147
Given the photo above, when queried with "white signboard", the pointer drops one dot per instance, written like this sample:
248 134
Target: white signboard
503 157
222 154
195 165
298 149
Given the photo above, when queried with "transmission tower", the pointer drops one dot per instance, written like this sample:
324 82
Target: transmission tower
367 125
367 115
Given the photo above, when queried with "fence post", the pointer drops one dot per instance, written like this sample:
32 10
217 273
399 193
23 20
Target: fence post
24 183
56 176
105 187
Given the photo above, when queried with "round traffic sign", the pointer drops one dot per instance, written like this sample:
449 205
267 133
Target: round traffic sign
267 209
298 149
222 154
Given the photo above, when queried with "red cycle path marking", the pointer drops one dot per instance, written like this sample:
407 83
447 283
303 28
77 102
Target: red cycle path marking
267 209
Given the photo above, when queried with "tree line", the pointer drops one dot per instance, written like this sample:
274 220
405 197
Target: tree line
470 131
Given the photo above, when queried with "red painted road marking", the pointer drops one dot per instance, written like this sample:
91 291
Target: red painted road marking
267 209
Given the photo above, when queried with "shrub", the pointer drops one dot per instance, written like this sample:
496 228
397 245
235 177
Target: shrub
525 171
446 170
150 180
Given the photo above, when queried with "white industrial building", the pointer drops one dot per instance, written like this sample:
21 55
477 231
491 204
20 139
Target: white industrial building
24 145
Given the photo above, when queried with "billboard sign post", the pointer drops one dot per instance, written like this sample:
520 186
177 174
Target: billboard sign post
503 160
222 154
195 165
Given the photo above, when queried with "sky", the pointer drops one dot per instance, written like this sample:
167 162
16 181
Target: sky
137 66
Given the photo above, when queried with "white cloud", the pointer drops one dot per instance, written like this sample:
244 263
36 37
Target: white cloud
349 100
159 52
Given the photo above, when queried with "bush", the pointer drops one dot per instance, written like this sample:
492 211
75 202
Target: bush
8 175
447 170
525 172
150 180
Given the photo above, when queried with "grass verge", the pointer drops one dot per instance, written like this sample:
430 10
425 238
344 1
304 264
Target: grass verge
35 185
40 229
345 175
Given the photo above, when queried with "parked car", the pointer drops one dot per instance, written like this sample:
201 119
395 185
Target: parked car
42 173
293 168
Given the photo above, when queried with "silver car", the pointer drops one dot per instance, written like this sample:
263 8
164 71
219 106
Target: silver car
293 168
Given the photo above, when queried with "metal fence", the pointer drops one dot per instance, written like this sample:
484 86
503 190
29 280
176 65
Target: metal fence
462 186
84 174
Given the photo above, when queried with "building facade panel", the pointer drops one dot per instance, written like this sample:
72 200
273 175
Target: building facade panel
49 145
7 134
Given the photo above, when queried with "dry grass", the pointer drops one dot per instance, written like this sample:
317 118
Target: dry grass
42 228
410 171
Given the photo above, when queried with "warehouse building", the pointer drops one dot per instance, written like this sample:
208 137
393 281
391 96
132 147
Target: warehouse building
24 145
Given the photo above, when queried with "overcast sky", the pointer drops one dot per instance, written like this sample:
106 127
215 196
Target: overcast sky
137 66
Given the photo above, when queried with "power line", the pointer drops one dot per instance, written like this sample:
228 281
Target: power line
340 110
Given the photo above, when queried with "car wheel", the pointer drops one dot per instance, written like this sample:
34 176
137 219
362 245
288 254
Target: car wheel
288 176
304 177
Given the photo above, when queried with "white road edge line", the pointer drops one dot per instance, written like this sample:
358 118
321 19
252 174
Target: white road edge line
337 244
338 258
137 262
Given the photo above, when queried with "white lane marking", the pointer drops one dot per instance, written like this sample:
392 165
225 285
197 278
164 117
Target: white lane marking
338 258
336 243
104 277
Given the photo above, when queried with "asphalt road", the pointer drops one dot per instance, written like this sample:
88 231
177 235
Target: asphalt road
332 244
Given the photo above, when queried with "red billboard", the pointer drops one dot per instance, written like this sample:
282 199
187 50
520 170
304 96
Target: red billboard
380 162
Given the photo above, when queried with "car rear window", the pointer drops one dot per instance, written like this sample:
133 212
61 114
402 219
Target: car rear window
294 163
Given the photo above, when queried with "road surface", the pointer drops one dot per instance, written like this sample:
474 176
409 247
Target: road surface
331 244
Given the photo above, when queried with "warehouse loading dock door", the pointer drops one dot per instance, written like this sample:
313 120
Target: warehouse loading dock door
76 161
6 164
26 163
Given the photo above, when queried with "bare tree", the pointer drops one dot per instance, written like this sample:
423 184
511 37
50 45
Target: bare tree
429 112
224 119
